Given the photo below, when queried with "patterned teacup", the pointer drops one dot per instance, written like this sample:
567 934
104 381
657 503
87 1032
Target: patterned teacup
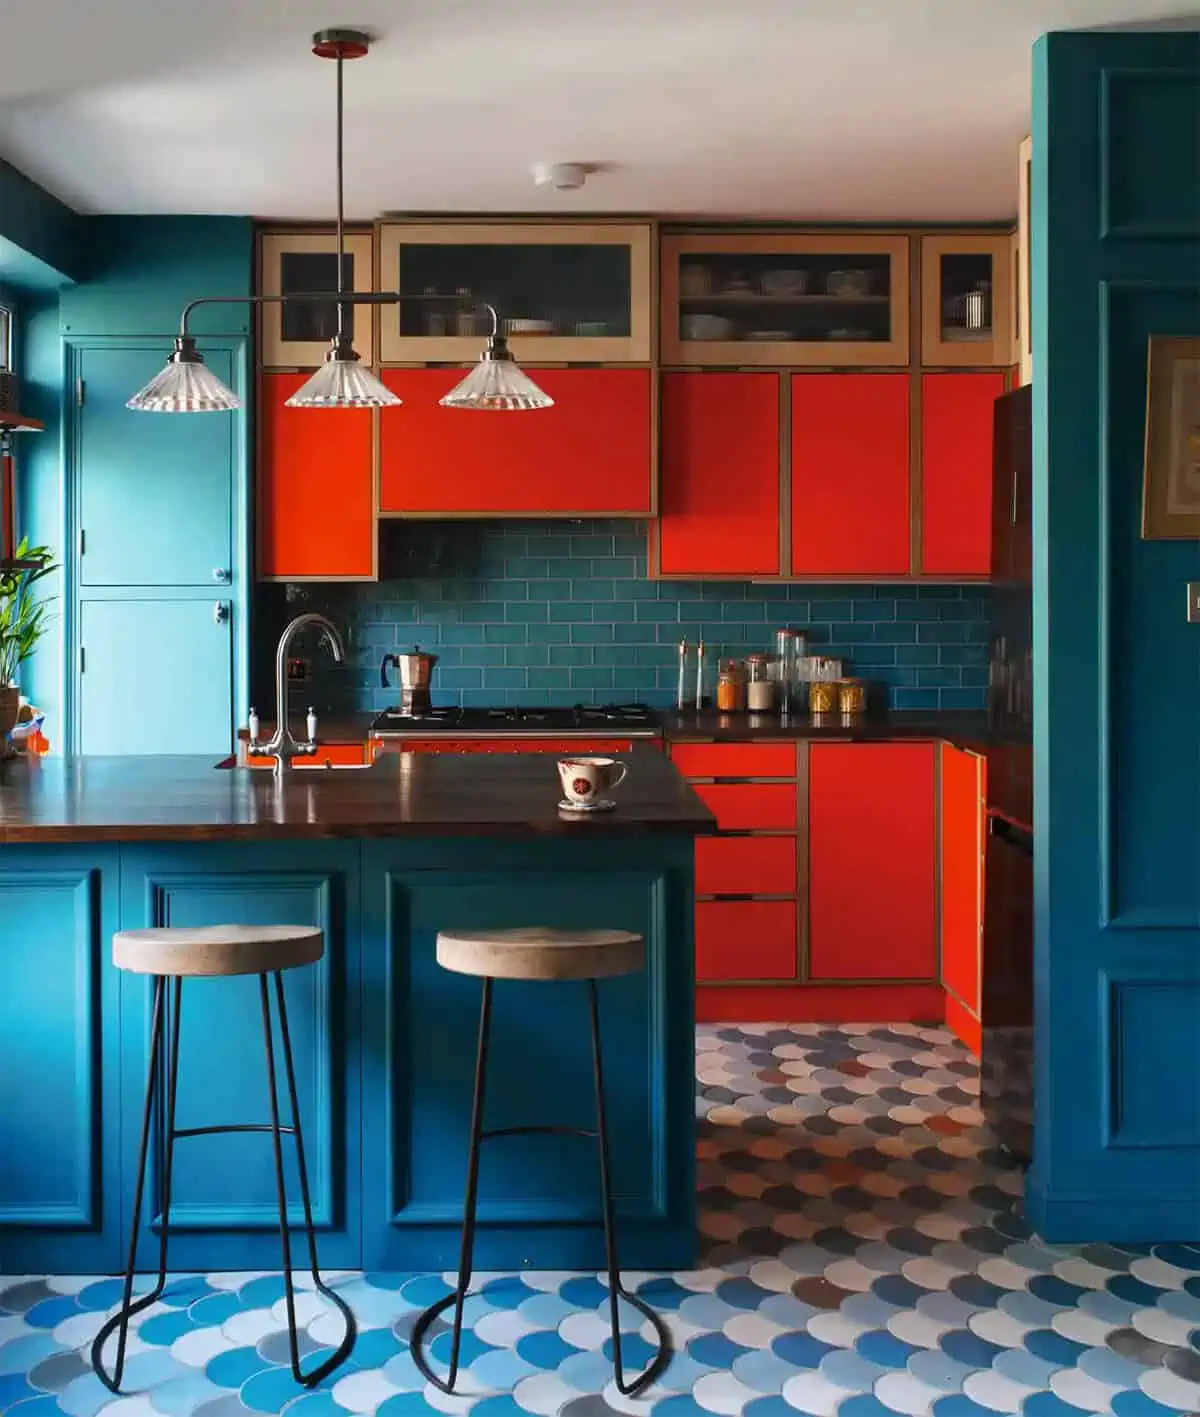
585 779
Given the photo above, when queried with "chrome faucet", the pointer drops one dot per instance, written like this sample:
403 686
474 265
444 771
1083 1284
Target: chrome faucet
282 746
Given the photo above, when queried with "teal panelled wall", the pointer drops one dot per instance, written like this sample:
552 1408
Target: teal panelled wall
384 1043
41 239
1116 258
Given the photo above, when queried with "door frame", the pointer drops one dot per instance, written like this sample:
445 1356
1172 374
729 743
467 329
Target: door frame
237 592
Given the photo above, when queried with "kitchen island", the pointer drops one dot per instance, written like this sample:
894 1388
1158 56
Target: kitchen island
381 859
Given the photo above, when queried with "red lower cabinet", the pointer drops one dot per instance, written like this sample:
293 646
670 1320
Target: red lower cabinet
745 940
962 854
590 455
872 859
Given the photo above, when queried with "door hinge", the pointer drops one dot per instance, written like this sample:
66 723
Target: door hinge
80 392
82 659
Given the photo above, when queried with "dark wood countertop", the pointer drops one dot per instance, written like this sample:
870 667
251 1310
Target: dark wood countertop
963 728
80 799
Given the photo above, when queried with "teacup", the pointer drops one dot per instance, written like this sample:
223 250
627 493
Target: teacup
584 779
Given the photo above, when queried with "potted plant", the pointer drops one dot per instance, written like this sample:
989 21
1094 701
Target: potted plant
23 621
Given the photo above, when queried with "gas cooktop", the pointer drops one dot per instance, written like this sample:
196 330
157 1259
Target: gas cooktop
630 719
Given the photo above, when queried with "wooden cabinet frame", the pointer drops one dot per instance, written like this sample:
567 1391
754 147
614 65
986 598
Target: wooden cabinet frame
793 353
937 352
636 348
1024 342
273 351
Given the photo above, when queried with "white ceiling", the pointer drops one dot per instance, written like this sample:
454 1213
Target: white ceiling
842 110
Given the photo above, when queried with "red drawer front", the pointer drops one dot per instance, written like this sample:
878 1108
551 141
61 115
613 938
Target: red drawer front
745 939
590 454
750 806
735 759
606 746
339 754
746 865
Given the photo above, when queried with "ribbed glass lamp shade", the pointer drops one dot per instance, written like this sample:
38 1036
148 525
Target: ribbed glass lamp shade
497 384
342 382
186 385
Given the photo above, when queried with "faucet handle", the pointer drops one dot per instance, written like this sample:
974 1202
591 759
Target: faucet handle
310 725
252 725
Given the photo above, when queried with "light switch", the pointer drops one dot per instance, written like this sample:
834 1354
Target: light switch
1194 602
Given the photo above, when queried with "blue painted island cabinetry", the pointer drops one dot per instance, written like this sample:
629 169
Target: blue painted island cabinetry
384 1044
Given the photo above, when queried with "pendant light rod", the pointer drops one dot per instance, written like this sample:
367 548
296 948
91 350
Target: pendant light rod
341 203
352 297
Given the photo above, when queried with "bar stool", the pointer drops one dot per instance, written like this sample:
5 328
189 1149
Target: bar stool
539 953
218 951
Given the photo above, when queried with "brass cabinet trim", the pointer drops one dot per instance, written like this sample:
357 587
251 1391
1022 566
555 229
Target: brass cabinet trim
993 353
635 348
275 353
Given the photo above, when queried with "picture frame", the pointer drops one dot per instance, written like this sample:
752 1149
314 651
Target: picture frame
1171 479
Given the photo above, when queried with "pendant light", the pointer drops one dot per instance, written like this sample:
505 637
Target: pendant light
188 385
342 382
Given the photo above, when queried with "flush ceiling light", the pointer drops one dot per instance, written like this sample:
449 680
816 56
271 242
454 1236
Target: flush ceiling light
187 385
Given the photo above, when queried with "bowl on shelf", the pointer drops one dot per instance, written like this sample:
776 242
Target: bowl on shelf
783 282
849 283
706 327
529 327
849 336
771 336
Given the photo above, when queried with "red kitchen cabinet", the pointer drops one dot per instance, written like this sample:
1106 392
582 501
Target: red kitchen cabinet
750 806
851 510
316 488
956 472
746 865
720 475
564 746
962 848
591 454
872 856
740 940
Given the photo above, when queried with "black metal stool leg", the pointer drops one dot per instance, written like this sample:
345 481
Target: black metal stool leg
119 1322
616 1291
344 1349
470 1203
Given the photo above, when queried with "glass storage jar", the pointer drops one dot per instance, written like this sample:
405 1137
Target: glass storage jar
760 686
731 686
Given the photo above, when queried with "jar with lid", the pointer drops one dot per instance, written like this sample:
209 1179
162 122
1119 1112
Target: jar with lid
822 697
791 646
731 686
760 685
852 697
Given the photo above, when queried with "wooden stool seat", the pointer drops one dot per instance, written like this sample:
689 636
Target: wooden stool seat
217 950
539 952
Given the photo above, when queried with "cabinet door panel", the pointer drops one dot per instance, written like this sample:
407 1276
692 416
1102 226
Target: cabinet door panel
962 873
850 475
745 939
316 488
956 472
871 861
766 806
132 649
746 865
735 759
144 478
720 475
588 455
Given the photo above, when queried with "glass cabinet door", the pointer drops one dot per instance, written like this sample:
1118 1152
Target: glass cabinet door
785 300
563 292
966 299
297 334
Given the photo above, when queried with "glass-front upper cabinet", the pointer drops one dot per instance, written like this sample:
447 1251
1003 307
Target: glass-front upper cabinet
296 334
822 299
564 292
967 299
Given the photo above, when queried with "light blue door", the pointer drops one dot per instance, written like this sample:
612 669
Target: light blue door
155 491
155 676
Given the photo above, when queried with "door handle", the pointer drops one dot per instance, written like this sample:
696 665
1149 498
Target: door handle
221 575
221 613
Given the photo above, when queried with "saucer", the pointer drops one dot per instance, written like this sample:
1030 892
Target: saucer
601 804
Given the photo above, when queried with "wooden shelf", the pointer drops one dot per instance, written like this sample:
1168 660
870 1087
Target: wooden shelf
751 297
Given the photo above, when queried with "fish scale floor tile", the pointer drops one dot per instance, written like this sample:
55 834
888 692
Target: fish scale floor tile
862 1253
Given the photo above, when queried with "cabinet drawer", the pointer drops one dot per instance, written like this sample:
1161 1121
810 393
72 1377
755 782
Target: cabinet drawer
746 865
565 746
758 806
735 759
745 939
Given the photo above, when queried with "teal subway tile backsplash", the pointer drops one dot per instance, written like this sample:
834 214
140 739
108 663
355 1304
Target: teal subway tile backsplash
547 612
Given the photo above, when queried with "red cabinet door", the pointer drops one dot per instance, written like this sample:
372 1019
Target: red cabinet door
850 475
588 455
871 861
745 939
962 873
720 475
316 488
956 472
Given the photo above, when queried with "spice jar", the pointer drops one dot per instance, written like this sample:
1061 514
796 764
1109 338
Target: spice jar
852 697
731 686
822 696
760 686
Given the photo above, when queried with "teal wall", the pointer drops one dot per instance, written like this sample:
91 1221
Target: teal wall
41 241
1116 259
